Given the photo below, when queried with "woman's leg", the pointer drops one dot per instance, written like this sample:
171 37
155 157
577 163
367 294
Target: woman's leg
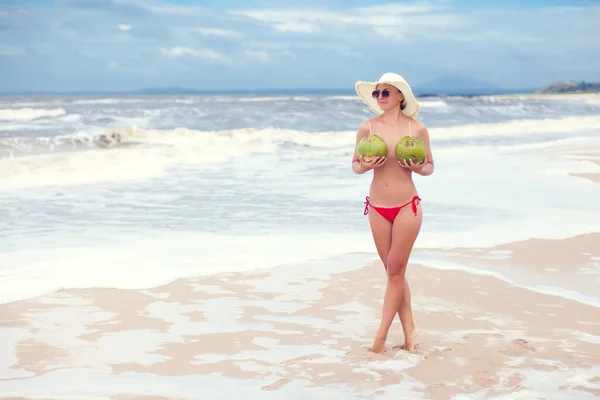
381 229
405 230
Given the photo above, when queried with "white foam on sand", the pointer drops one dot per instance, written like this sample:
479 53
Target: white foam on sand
101 383
442 264
586 337
551 385
153 258
86 368
87 361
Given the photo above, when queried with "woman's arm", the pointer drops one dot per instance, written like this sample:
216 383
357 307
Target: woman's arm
361 133
428 165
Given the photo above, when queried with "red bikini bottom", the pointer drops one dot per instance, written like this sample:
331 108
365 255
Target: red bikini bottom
390 213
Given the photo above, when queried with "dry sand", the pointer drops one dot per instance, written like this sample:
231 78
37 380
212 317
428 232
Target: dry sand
294 334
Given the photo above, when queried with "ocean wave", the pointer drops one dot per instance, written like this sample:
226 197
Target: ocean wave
343 98
24 146
571 127
83 140
29 114
41 124
118 155
259 99
133 153
107 101
433 104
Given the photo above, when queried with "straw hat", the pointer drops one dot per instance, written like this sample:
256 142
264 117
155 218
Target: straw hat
364 90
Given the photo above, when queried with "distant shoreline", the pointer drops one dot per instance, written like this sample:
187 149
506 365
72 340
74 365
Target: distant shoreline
558 94
421 96
286 92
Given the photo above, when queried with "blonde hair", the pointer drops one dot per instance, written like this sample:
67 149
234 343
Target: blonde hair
402 103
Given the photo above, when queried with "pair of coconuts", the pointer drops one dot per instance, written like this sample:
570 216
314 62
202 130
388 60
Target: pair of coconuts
407 148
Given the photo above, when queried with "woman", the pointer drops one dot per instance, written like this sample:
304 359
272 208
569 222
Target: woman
396 217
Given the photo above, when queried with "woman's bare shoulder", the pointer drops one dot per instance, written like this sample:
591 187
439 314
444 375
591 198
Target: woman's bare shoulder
365 126
420 128
366 122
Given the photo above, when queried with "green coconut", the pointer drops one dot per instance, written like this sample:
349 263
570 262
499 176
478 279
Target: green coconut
370 147
411 148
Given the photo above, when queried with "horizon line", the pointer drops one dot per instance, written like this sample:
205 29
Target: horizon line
182 90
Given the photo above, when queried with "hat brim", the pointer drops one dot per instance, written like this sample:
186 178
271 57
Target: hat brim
364 90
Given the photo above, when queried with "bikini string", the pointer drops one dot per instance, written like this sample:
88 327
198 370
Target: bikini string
414 202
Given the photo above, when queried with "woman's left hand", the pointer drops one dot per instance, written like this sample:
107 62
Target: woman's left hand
411 165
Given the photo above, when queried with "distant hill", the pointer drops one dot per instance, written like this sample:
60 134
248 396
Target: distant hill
449 85
571 87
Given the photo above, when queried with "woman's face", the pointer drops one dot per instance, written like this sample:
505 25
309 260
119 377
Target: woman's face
387 96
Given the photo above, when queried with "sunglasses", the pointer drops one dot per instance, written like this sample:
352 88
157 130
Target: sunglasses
384 93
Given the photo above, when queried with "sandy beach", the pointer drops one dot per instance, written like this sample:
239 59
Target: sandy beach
278 331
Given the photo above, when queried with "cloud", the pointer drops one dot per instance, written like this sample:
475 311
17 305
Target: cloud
389 20
187 51
160 8
218 32
100 44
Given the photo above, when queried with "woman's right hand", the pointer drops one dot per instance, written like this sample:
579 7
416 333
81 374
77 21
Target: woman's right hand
375 162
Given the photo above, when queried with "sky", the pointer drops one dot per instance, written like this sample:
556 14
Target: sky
126 45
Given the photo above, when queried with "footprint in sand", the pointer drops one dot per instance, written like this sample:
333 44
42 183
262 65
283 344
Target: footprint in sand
437 352
437 349
518 347
514 380
368 355
400 347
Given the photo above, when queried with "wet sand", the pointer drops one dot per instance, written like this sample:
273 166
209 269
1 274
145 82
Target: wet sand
591 156
286 333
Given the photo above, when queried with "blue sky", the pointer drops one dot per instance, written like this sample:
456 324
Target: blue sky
75 45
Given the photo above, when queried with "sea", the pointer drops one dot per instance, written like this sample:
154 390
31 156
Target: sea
137 191
195 185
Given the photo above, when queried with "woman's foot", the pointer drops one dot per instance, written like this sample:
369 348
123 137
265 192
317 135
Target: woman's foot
409 339
379 344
